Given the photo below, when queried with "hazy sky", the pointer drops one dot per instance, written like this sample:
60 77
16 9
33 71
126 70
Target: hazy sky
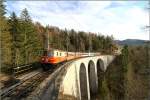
122 19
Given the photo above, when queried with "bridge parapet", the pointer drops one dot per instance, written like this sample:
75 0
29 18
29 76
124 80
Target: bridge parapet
81 79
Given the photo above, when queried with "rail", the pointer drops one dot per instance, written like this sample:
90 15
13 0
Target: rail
4 92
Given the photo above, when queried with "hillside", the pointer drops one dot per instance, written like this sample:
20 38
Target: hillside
135 42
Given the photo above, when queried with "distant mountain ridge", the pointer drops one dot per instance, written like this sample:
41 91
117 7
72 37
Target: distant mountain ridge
131 42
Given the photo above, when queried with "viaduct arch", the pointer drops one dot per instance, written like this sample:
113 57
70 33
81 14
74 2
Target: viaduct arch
84 76
83 82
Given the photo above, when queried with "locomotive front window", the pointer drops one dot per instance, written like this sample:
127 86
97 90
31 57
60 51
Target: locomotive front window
45 53
50 54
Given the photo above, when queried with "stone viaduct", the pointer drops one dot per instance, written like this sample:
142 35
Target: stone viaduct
81 78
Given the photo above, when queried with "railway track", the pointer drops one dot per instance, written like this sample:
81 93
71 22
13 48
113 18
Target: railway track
25 87
49 88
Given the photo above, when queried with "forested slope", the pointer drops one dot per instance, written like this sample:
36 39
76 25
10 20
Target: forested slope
128 76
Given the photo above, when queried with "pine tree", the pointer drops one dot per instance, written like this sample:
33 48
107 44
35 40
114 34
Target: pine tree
125 57
41 35
125 63
15 37
30 39
2 8
4 37
25 15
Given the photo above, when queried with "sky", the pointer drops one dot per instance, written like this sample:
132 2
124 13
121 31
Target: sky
122 19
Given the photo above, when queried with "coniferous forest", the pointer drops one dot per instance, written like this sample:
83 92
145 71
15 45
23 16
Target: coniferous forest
127 77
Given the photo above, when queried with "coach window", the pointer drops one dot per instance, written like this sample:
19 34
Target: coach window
49 54
57 53
60 54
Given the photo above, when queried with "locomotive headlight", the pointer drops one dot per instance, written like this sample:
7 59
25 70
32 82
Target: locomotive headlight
42 59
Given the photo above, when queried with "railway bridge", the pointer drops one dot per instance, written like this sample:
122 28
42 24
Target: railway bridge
77 79
81 78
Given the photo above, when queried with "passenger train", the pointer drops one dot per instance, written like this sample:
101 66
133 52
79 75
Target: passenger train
54 56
